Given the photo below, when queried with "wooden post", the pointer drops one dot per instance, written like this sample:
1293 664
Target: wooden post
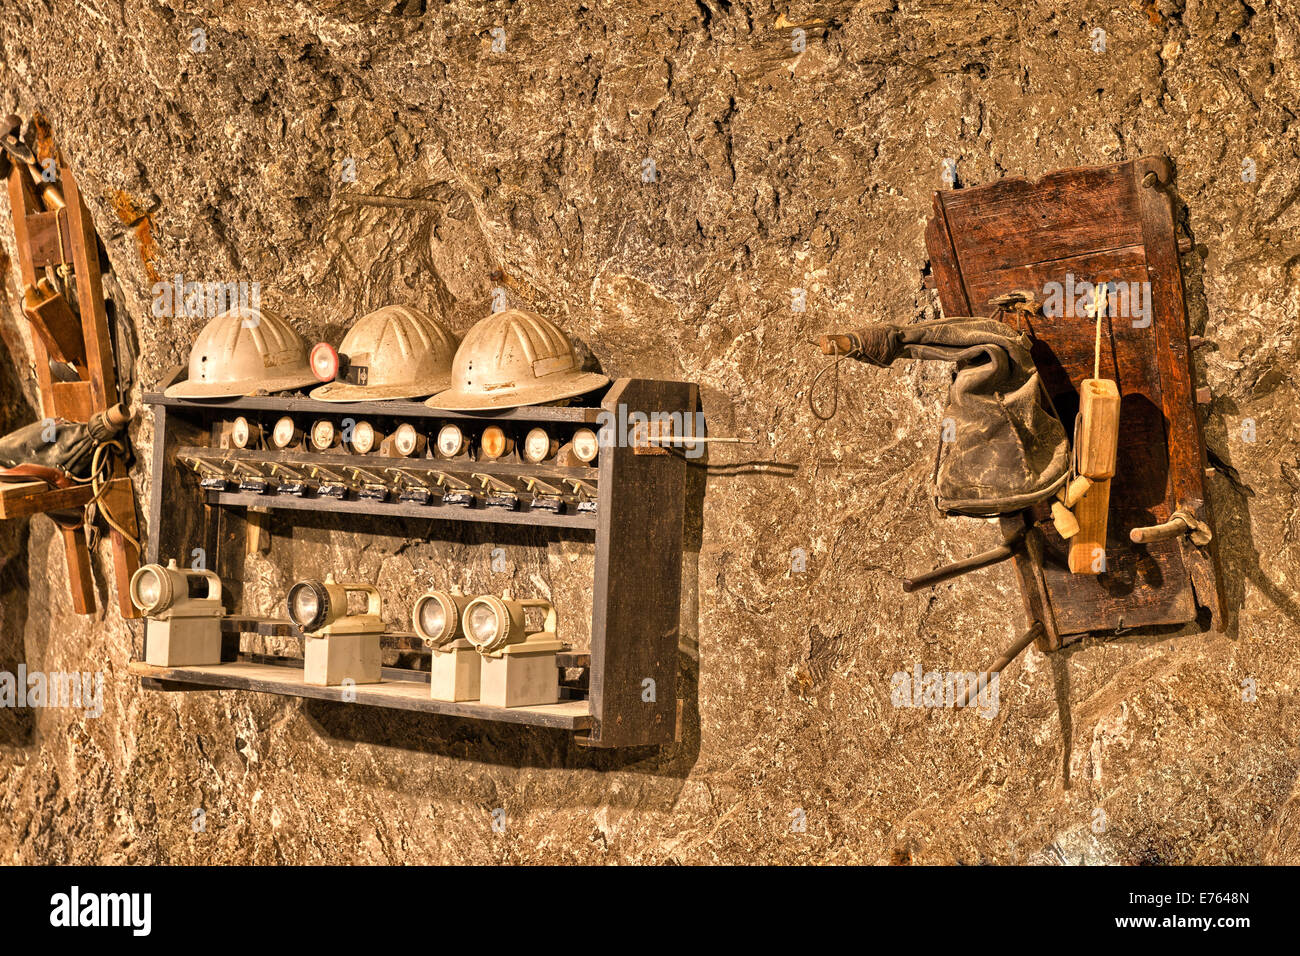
636 603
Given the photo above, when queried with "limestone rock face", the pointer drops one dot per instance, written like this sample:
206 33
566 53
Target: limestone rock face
693 190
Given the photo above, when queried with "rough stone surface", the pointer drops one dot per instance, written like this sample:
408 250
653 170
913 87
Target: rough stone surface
775 170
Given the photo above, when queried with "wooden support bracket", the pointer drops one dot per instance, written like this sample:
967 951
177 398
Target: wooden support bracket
64 237
1097 224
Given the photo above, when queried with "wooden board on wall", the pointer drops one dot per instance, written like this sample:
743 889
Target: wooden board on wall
1097 224
636 619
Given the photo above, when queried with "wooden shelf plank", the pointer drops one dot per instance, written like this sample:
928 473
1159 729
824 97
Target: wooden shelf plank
397 509
400 409
392 694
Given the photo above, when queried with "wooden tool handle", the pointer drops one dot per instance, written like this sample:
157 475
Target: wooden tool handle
842 344
1098 428
1088 547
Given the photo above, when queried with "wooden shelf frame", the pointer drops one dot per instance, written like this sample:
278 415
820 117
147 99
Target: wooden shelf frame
636 533
284 679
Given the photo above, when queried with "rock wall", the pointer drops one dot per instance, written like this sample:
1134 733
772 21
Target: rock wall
792 148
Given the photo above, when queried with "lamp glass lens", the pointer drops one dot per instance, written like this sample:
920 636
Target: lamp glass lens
304 604
494 442
324 361
537 445
239 432
483 623
433 617
283 433
322 434
363 437
148 589
585 444
405 439
450 441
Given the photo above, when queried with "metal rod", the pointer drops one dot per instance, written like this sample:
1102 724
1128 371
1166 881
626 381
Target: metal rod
1003 551
1009 655
1172 528
692 439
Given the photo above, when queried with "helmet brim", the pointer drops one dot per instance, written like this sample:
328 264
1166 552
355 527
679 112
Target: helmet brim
347 392
566 386
283 383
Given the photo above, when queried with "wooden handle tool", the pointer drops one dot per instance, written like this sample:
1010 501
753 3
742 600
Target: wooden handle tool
1096 441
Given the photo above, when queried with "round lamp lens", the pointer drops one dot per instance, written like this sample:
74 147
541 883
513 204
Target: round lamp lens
324 361
240 432
585 444
322 434
148 588
483 623
537 445
433 618
494 442
283 434
405 440
363 438
450 441
304 605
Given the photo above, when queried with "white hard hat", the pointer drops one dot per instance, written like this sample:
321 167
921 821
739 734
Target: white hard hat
393 352
242 352
514 358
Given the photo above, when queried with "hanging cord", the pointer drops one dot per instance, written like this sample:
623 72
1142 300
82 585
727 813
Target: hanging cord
835 390
1099 309
99 467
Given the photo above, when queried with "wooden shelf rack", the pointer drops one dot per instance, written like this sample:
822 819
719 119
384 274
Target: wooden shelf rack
636 531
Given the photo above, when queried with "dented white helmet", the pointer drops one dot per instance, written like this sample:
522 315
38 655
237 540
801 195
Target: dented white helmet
393 352
242 352
514 358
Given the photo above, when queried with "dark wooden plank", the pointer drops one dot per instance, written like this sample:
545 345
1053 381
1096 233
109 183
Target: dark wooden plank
393 694
81 580
1125 264
1018 220
637 597
397 409
1016 234
943 257
398 509
51 499
1187 456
